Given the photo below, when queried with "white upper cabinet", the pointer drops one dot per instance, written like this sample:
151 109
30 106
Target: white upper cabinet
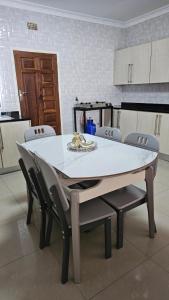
160 61
140 66
121 70
132 65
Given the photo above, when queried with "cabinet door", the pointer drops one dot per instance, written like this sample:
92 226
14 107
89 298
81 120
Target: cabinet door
128 122
12 132
140 64
162 132
147 122
121 66
160 61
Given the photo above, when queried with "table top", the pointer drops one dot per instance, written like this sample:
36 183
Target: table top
109 158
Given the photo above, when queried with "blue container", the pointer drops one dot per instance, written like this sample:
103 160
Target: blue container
90 127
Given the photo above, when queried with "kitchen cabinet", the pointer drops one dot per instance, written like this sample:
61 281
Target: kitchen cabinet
132 65
162 130
147 122
160 61
126 121
122 66
10 132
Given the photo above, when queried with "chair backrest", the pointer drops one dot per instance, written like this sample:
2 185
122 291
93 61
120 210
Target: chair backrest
109 133
38 132
30 172
145 141
142 140
51 179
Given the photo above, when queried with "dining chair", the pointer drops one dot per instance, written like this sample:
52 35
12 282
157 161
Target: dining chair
129 197
109 133
38 132
27 164
92 213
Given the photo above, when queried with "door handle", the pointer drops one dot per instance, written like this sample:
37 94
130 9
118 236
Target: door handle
21 94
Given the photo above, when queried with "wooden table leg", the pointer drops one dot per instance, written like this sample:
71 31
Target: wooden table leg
75 235
150 200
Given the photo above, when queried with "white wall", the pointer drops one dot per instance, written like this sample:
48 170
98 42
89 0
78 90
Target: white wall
85 57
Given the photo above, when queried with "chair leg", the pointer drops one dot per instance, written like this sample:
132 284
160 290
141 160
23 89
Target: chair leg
65 258
30 207
49 230
120 228
108 241
42 229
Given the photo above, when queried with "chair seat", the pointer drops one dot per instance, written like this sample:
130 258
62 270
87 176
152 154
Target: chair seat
92 211
125 197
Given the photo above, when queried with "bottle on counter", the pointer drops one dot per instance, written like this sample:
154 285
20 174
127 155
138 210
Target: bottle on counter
90 127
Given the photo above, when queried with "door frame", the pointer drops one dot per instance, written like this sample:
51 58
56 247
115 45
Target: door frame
15 78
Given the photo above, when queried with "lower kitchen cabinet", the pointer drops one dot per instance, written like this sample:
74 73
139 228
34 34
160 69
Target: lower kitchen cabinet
126 121
144 122
162 132
10 132
147 122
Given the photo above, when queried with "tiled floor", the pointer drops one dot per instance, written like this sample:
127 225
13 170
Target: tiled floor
138 271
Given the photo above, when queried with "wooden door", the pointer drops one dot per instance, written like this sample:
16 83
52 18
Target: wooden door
38 88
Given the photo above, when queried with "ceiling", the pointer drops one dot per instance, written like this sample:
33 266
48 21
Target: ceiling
120 13
122 10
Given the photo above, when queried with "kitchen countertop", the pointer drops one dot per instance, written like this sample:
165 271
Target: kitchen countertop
151 107
6 119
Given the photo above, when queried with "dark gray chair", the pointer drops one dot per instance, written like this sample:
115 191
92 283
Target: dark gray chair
109 133
27 164
92 213
129 197
38 132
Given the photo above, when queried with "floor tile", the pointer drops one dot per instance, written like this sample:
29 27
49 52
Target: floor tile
16 240
148 281
136 230
35 277
97 272
162 258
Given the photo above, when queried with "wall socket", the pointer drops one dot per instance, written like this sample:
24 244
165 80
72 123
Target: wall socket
32 26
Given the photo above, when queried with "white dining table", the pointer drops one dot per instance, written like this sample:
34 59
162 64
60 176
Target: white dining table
114 164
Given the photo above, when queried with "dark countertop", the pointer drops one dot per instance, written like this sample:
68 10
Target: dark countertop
151 107
13 120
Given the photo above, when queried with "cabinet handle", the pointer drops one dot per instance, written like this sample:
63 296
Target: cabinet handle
159 124
131 73
129 68
1 141
118 119
155 127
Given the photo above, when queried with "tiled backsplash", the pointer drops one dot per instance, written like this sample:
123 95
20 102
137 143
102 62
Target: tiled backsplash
85 57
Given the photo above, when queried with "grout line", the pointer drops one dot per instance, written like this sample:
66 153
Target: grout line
19 258
123 275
